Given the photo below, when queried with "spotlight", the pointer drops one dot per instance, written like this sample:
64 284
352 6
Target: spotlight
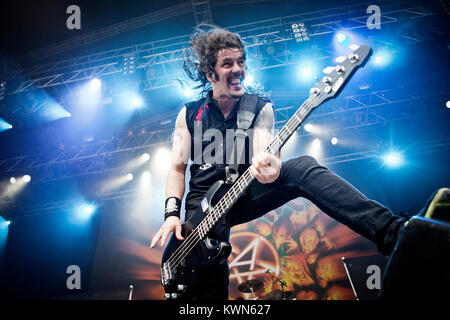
300 32
188 93
162 160
382 58
12 180
393 159
7 222
95 84
130 176
448 104
145 157
315 149
85 211
341 37
4 125
88 209
334 141
306 72
248 81
316 143
146 176
26 178
137 102
308 127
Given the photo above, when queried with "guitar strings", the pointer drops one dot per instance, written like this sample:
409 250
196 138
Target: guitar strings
191 241
177 257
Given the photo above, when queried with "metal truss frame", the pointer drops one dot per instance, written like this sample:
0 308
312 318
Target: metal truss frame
16 211
95 157
160 60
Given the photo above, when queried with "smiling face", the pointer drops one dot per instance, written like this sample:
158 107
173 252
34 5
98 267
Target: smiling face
227 80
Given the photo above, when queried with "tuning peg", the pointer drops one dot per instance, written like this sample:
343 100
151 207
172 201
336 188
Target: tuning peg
340 59
327 80
315 91
327 70
353 57
340 69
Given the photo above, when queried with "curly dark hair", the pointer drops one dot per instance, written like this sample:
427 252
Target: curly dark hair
201 57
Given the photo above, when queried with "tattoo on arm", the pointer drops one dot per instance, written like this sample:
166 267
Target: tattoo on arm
266 118
263 128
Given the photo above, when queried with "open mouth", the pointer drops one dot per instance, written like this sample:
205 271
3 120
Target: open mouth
236 83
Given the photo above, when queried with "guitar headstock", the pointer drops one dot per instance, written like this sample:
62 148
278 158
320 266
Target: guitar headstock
330 85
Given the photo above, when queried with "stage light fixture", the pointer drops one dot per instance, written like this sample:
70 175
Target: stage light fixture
334 141
341 37
316 143
130 176
12 180
146 176
308 127
145 157
162 160
137 102
85 211
188 92
300 32
306 72
448 104
249 80
4 125
382 58
26 178
393 159
95 84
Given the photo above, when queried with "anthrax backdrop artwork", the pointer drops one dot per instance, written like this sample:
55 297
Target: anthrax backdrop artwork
296 244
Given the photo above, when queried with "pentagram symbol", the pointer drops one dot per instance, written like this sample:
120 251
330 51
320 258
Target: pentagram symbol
251 257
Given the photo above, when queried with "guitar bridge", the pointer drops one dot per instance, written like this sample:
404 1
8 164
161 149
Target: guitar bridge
166 273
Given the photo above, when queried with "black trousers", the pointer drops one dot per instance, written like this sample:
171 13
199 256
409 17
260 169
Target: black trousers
303 177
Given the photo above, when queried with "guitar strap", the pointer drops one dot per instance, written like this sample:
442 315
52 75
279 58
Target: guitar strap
245 116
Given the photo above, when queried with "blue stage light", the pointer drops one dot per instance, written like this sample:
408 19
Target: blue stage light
341 37
53 111
4 125
95 84
137 102
393 159
306 72
188 92
334 141
382 58
85 211
249 80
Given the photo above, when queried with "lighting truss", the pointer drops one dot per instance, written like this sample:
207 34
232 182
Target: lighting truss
163 57
95 157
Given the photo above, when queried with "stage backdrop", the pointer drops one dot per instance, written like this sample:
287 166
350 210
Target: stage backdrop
296 243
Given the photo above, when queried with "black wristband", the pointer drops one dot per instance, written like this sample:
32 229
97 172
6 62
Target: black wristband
172 207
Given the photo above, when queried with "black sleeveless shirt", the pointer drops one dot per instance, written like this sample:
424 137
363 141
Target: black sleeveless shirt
206 122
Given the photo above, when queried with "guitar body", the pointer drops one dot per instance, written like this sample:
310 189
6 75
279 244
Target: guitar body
202 254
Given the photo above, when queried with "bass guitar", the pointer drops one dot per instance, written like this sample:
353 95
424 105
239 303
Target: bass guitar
182 260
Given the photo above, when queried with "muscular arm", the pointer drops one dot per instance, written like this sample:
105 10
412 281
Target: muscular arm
262 134
265 167
181 148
